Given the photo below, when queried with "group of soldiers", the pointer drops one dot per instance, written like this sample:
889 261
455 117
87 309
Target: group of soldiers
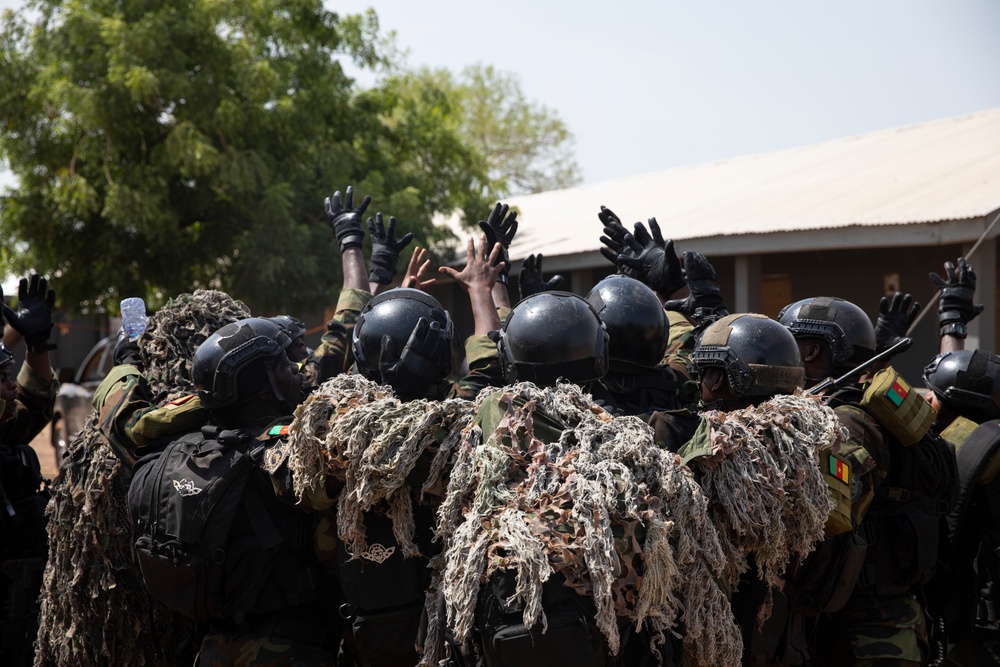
374 503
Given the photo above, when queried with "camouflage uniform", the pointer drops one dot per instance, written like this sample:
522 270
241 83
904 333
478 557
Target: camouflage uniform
23 496
883 630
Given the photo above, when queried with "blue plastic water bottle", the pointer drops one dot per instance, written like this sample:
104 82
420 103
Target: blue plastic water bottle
133 316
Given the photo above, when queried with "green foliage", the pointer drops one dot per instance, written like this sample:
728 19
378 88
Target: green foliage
525 147
164 147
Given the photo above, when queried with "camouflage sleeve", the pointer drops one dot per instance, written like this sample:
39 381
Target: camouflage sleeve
275 463
35 401
680 335
503 313
485 369
120 401
868 453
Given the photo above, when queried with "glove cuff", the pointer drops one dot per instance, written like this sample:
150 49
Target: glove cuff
42 346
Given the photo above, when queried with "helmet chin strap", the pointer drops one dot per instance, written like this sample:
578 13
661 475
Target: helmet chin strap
3 411
288 403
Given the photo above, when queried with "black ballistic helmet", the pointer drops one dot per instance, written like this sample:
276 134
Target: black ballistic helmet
760 356
6 356
290 325
235 362
395 313
631 311
968 382
553 335
846 328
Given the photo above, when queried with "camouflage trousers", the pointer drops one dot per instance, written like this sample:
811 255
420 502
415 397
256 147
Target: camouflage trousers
254 649
887 631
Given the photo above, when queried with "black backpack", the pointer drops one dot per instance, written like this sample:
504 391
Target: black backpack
572 637
967 591
184 502
384 593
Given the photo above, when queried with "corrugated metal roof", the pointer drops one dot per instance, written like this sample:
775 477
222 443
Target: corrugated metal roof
941 170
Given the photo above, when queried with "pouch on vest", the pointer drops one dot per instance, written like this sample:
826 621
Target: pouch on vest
183 502
384 593
958 431
178 416
837 475
572 637
902 411
825 580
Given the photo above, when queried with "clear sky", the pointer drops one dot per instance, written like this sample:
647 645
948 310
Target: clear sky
646 86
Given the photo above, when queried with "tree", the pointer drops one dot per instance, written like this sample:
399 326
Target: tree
161 147
525 147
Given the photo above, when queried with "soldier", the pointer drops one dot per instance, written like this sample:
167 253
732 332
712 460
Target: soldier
902 478
26 405
215 543
640 380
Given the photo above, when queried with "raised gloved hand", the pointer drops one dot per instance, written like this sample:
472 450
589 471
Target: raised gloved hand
33 317
614 240
955 308
345 219
500 227
894 319
705 304
385 249
127 350
654 262
419 365
530 280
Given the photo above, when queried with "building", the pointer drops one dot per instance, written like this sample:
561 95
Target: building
857 218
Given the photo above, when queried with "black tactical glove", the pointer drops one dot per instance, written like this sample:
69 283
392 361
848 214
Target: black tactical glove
500 227
955 308
385 250
704 305
614 239
345 219
33 317
419 365
894 319
127 350
530 279
654 262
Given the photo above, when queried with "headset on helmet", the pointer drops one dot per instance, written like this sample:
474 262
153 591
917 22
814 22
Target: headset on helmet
759 356
231 364
395 313
554 335
634 316
967 381
847 330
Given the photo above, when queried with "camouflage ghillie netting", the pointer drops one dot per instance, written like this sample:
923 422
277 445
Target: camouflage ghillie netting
766 492
95 609
175 332
620 519
366 438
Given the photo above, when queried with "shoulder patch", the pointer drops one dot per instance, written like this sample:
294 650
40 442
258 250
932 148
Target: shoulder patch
275 455
279 430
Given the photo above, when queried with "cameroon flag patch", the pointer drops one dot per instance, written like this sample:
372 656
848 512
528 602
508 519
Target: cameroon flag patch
840 470
279 430
897 392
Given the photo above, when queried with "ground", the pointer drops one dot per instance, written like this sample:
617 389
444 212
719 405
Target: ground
42 445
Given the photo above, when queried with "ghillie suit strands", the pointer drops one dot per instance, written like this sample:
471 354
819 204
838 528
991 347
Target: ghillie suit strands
95 609
622 521
766 492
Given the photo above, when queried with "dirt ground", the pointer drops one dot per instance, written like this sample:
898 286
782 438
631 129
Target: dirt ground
46 455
